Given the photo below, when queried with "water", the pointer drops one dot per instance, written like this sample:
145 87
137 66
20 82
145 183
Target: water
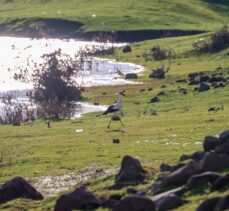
16 52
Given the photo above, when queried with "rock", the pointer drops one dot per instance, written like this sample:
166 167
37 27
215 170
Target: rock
183 91
116 141
198 155
158 73
155 100
203 87
126 49
223 203
168 202
213 161
208 204
131 171
184 157
223 146
135 203
204 78
163 86
131 76
165 167
199 180
224 136
18 188
210 143
161 94
212 109
193 82
221 183
78 199
181 175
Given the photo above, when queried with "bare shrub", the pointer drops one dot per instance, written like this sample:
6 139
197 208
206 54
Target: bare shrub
217 42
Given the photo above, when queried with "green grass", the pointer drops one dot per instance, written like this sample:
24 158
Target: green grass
124 15
181 119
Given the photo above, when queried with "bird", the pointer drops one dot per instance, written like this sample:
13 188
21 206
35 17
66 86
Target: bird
115 107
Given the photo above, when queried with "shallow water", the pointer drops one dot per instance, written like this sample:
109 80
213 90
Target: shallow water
17 51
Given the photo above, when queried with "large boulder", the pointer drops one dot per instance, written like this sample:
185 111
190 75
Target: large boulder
78 199
213 161
159 73
208 204
168 202
198 155
221 183
181 175
210 143
199 180
203 87
223 203
223 146
131 76
18 188
135 203
131 171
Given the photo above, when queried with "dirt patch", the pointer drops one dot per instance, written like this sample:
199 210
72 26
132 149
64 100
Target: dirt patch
52 185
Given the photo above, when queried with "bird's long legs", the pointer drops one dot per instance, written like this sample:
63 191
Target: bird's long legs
112 119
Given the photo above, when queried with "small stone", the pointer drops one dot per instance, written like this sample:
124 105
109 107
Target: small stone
116 141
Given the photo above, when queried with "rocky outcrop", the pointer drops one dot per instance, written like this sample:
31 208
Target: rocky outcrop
135 203
18 188
78 199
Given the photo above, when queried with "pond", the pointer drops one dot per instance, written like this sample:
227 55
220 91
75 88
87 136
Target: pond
16 52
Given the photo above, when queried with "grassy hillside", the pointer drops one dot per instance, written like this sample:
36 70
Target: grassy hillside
105 15
180 125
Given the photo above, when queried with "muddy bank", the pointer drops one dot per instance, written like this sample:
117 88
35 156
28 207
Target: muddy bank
61 28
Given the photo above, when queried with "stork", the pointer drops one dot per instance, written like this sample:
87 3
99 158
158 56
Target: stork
115 107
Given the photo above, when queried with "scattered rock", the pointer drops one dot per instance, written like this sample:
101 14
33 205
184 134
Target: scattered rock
183 91
204 78
155 100
116 141
161 94
213 161
203 87
223 203
181 175
18 188
221 183
210 143
158 74
126 49
135 203
198 155
131 171
208 204
199 180
131 76
78 199
168 202
224 136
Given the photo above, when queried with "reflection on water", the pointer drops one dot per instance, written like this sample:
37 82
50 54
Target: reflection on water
16 52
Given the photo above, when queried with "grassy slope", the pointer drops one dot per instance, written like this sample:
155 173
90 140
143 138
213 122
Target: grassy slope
124 15
182 119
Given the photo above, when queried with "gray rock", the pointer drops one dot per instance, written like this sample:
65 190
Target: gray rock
221 183
158 74
200 180
210 143
213 161
18 188
198 155
203 87
131 171
78 199
126 49
131 76
155 100
208 204
168 202
181 175
223 203
224 136
135 203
